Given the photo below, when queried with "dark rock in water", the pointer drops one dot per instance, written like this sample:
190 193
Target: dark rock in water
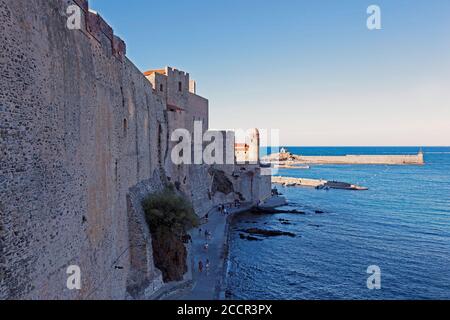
249 238
286 222
319 212
268 233
274 211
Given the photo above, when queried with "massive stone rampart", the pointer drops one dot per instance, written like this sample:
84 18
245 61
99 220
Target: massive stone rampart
80 129
84 138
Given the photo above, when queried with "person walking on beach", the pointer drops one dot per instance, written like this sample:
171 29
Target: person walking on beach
206 246
200 266
206 234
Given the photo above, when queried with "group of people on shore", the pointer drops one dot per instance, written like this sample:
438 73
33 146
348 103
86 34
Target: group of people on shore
223 208
208 235
200 266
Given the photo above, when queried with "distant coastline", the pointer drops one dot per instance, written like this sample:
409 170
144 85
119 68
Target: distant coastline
285 158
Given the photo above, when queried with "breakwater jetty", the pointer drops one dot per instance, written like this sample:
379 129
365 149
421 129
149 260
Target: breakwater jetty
287 159
314 183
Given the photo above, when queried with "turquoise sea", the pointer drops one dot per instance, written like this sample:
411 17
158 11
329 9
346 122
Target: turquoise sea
402 225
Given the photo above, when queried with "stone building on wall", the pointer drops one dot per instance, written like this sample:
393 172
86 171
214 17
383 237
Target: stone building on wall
184 108
178 93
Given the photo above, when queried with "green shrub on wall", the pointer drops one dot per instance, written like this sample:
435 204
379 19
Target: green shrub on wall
168 210
169 216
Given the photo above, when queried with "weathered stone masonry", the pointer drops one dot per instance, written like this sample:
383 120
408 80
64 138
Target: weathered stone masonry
84 137
79 128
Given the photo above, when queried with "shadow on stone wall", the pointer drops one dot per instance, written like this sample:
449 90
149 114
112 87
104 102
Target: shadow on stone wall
144 278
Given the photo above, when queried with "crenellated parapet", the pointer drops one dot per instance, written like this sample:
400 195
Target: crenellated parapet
98 28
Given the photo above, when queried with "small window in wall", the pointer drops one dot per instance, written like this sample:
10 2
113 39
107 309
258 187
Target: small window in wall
161 87
180 86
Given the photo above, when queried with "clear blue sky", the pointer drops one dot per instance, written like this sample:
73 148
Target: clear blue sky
309 68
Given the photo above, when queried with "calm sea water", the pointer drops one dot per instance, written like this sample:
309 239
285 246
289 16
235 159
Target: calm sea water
402 225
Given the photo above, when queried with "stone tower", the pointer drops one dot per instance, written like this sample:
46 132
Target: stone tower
248 152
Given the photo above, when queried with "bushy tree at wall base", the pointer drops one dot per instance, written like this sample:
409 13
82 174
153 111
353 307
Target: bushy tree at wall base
169 216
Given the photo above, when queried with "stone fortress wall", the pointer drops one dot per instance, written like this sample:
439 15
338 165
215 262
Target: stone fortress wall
80 127
84 137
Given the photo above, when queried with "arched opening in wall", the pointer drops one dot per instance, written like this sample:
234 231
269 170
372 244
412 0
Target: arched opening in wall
125 127
180 86
161 87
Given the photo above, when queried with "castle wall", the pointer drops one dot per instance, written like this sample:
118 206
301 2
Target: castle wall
252 185
174 89
84 137
198 111
264 187
80 126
